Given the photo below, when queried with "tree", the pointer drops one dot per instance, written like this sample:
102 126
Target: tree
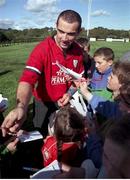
3 37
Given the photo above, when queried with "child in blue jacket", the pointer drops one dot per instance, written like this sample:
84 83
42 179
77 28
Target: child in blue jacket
103 58
119 83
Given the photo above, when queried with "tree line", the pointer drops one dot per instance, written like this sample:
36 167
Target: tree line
31 35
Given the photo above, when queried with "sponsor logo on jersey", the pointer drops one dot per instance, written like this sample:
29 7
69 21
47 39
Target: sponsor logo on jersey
75 63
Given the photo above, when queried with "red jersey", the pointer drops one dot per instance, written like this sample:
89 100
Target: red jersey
41 68
70 151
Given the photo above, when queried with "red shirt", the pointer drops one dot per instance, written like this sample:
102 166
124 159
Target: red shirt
41 68
70 151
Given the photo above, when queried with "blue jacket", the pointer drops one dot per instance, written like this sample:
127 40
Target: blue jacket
99 81
106 108
98 84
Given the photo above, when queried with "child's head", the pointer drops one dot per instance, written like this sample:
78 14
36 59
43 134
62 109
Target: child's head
120 75
69 128
84 44
69 125
104 58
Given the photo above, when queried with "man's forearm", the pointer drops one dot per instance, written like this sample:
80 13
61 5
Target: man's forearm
24 93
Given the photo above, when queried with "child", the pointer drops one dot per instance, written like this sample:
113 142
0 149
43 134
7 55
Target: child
118 82
65 145
89 64
103 58
104 109
84 44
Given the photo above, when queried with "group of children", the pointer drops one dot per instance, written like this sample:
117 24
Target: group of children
107 95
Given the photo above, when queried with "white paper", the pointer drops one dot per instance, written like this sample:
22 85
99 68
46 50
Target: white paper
48 172
78 102
30 136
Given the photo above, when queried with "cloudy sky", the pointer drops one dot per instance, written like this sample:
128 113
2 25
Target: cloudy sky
21 14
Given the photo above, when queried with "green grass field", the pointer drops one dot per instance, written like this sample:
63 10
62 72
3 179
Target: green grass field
12 60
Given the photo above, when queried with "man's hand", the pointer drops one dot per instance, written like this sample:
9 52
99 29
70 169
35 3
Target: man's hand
13 121
64 100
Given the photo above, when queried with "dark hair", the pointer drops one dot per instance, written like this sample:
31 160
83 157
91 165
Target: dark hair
125 94
119 132
70 16
106 52
68 127
83 42
122 71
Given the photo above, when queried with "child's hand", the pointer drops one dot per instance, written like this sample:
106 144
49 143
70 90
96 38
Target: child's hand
13 145
78 82
82 86
65 167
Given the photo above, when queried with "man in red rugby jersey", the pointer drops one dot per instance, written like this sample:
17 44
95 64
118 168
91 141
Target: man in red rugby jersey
43 78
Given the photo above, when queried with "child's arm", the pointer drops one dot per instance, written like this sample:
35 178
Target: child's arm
98 103
8 147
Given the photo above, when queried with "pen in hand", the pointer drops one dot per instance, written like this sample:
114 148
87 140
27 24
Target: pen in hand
8 132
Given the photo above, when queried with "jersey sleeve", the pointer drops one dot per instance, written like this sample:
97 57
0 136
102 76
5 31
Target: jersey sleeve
34 65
